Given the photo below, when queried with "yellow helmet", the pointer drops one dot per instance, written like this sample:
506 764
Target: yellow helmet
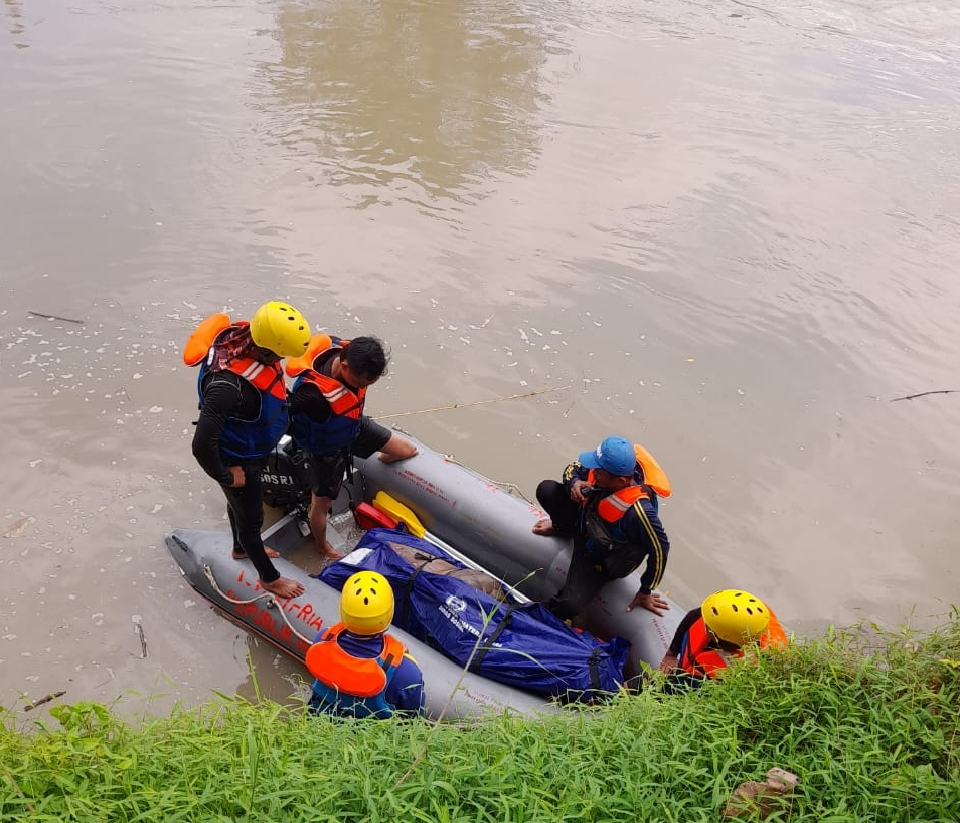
366 603
280 328
735 616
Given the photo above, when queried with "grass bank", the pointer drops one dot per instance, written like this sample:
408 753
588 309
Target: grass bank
869 722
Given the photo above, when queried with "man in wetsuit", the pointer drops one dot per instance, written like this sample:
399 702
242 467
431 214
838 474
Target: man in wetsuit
243 414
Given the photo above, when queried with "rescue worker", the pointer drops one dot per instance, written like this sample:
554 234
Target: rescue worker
361 671
327 420
243 414
710 636
608 503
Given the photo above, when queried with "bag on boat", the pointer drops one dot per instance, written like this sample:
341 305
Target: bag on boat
431 561
524 646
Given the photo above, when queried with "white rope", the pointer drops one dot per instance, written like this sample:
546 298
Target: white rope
270 597
511 488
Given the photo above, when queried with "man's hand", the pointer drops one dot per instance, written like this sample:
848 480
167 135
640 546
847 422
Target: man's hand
397 448
669 663
579 490
651 602
239 477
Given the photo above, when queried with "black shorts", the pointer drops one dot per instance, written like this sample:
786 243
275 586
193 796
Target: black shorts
327 471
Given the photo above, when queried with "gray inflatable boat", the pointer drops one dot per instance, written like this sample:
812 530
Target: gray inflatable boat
232 587
465 513
493 528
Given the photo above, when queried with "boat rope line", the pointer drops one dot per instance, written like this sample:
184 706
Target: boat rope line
514 489
270 597
510 488
473 403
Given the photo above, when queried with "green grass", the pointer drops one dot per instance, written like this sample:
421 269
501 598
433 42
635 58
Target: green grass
868 721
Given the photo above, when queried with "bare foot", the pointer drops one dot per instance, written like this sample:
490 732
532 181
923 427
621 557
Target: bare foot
545 528
284 587
330 552
242 555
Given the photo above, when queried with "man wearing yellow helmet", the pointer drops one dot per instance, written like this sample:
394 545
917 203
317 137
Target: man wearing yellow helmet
710 636
243 414
361 671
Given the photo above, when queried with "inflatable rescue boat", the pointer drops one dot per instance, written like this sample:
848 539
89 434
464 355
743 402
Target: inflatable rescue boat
466 517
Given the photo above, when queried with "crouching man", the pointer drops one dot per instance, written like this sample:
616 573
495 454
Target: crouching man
709 637
361 670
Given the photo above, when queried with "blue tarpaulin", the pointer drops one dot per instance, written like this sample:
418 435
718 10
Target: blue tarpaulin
524 646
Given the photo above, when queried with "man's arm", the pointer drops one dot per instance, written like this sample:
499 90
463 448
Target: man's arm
671 658
407 687
309 401
575 481
573 473
643 526
222 395
689 619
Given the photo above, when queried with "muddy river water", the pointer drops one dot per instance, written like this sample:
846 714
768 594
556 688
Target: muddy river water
728 230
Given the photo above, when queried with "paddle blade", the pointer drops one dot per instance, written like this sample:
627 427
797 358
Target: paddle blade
402 514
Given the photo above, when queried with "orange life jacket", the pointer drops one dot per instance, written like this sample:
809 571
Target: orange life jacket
242 439
344 402
346 405
650 473
701 659
614 506
263 377
348 685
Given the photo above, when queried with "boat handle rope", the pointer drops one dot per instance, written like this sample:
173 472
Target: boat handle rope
269 596
510 488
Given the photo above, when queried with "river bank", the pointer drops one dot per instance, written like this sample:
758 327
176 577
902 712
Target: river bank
868 721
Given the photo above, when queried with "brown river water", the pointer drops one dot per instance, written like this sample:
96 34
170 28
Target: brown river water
728 230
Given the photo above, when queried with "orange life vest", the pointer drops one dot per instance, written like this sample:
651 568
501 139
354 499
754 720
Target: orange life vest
346 405
701 659
650 473
348 685
344 402
614 506
266 378
242 439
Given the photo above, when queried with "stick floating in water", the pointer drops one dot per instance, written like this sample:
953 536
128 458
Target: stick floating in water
923 393
42 700
56 317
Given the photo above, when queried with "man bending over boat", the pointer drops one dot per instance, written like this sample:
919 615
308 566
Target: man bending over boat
360 670
608 503
327 419
709 637
243 415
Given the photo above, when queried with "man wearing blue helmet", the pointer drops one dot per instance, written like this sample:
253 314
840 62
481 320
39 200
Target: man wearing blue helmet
608 503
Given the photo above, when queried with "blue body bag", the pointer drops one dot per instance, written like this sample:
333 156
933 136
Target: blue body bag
524 646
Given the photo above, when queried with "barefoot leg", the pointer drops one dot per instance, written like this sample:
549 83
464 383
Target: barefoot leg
240 554
284 587
319 509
